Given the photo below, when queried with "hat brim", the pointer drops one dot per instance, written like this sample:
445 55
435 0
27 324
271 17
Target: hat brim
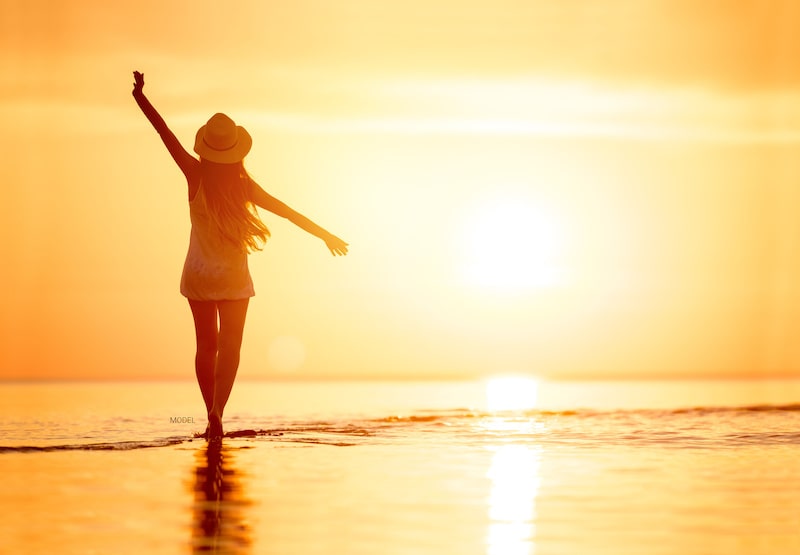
231 155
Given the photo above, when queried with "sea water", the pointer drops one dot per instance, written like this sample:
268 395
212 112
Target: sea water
495 467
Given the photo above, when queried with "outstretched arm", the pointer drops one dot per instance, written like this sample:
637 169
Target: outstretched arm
266 201
186 162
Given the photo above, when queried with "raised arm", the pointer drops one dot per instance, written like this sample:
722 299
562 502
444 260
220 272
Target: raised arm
186 162
261 198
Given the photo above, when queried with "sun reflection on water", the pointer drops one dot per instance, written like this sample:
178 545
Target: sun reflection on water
515 477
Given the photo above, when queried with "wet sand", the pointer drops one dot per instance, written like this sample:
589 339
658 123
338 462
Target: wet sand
713 480
261 496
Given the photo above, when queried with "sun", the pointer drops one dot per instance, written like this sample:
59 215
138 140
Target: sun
511 245
509 393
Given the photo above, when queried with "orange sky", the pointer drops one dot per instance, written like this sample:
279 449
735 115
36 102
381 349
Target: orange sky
570 188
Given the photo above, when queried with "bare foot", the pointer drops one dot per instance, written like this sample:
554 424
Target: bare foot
214 427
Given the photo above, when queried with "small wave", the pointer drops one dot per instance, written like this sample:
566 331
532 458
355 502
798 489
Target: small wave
467 414
416 418
302 433
105 446
442 415
765 438
691 426
792 407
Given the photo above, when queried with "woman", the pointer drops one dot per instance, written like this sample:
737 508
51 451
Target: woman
225 229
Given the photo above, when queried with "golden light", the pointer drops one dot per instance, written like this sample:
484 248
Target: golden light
286 353
511 393
511 245
515 476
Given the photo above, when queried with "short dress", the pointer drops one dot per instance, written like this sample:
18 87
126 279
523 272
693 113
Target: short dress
215 269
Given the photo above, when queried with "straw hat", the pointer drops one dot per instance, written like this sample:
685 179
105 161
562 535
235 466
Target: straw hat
222 141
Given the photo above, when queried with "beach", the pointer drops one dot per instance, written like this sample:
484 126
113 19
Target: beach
368 474
566 324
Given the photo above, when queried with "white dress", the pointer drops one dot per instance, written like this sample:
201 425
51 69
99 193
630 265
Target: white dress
215 269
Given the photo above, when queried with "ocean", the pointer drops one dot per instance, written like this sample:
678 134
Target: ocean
499 467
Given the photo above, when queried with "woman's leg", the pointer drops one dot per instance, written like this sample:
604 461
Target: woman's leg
205 360
231 328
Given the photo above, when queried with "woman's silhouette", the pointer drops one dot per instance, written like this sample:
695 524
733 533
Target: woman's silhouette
225 228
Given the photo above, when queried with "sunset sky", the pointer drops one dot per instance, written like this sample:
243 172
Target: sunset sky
566 189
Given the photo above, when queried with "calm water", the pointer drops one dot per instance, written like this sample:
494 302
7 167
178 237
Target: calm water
474 467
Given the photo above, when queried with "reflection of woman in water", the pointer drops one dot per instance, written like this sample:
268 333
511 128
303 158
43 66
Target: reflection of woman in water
225 228
220 518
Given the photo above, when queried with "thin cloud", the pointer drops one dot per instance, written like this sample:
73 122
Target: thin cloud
552 109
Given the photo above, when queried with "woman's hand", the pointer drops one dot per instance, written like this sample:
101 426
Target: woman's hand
336 245
138 82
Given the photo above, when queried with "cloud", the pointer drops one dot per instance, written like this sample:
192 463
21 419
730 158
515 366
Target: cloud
541 108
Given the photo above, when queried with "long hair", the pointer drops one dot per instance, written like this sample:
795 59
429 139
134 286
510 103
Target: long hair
225 190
